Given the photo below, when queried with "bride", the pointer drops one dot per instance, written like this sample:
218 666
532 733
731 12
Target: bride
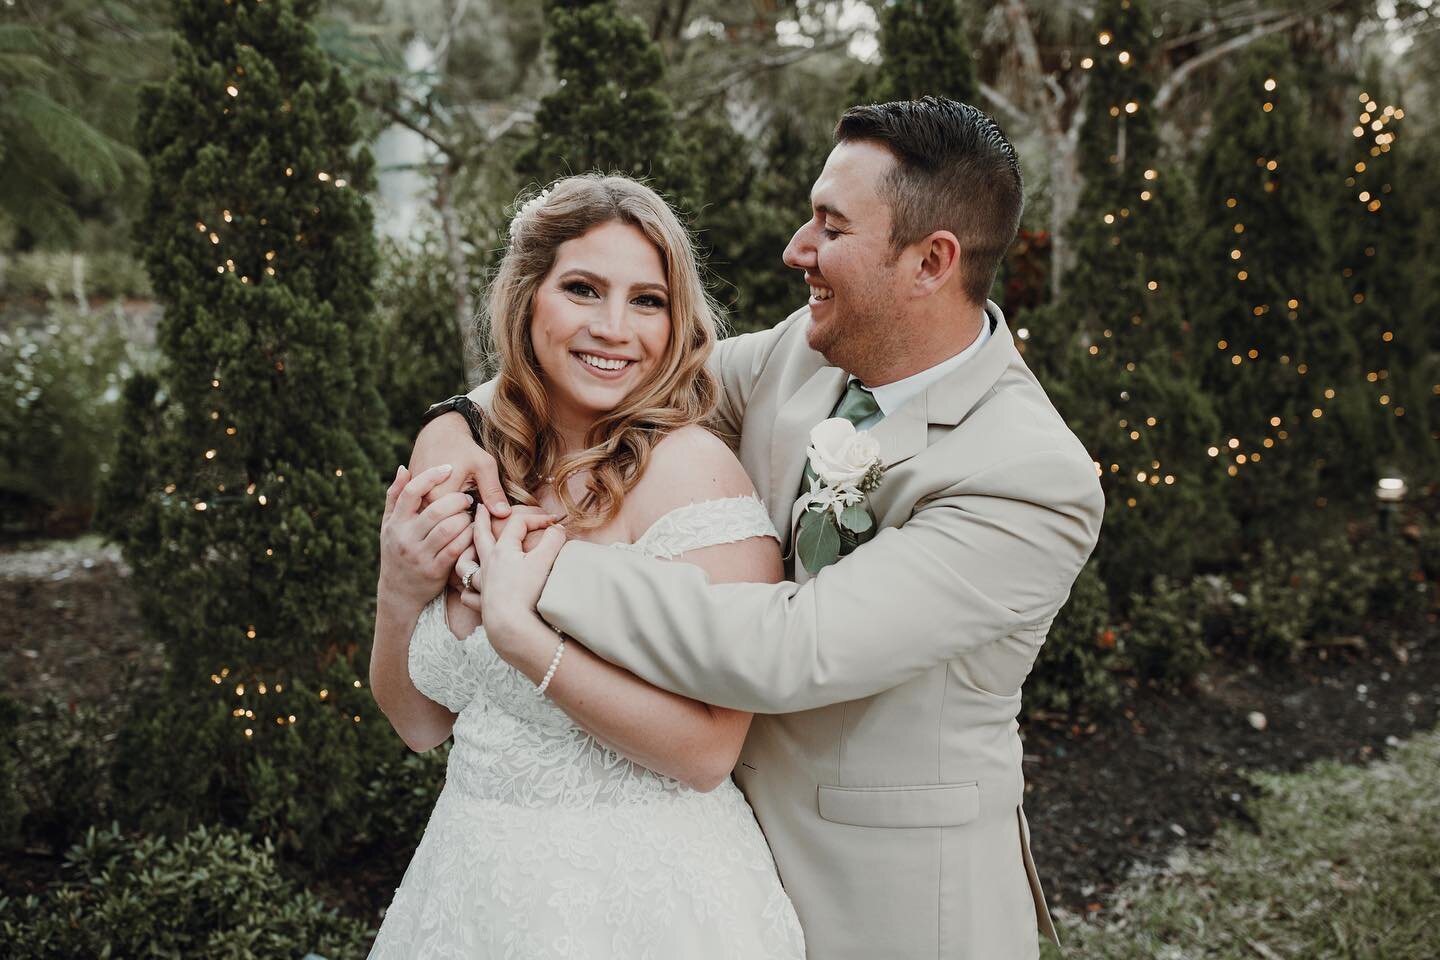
585 813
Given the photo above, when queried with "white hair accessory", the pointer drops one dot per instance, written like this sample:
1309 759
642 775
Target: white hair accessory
529 207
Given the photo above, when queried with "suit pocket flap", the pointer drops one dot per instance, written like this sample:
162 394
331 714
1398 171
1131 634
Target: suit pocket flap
931 805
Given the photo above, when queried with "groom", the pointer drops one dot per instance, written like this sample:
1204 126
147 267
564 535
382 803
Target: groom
884 760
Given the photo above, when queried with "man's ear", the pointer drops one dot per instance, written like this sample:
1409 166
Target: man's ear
938 259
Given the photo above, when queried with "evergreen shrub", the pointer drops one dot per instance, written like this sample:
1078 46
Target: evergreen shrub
210 895
1274 603
61 756
1165 639
12 805
249 500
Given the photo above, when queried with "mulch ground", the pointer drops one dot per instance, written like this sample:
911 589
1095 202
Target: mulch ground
1104 798
1101 797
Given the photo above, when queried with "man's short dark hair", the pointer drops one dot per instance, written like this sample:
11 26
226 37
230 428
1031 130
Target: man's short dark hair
954 171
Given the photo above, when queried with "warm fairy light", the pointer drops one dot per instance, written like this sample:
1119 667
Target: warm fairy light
1270 83
1105 38
1087 63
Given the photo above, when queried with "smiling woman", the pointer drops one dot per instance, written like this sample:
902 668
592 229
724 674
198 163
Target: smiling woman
601 323
600 328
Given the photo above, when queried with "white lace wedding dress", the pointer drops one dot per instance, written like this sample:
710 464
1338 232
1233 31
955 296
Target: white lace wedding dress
545 843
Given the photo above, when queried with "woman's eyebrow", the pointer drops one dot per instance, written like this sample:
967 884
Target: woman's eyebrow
596 280
583 274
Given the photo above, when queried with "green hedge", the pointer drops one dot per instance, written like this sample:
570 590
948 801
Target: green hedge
211 894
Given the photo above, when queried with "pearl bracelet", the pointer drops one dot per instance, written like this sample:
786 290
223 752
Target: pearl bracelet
554 664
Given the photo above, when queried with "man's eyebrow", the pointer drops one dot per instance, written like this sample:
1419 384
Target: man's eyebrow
831 211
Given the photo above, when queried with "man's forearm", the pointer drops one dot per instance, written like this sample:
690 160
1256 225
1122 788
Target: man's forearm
966 570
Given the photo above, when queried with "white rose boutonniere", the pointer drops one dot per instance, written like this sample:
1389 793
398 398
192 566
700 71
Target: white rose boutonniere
844 469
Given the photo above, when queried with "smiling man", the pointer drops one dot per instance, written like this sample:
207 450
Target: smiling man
884 762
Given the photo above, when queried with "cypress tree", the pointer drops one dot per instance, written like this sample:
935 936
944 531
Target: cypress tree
1385 260
1277 349
1117 350
609 112
923 50
250 502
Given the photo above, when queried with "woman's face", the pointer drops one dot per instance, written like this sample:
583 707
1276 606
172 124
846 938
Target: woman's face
600 322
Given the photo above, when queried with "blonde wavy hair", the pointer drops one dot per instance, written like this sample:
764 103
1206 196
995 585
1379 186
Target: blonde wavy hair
680 391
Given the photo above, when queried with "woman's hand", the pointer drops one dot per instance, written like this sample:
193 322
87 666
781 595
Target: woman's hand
420 544
508 584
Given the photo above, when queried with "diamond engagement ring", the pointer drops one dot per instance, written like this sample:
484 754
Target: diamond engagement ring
465 580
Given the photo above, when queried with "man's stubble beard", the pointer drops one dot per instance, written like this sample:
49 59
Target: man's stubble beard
855 341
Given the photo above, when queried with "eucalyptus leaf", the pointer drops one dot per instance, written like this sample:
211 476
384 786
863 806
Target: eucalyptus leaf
819 542
856 518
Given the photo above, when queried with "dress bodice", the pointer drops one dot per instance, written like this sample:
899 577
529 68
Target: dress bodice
513 745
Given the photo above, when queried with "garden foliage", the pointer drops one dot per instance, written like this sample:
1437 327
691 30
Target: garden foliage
249 498
211 894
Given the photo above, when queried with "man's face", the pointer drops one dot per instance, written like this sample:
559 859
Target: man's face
844 251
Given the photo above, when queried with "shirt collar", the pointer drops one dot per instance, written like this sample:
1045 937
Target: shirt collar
892 396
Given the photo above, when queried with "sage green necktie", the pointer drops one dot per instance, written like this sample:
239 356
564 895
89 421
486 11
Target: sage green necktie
856 405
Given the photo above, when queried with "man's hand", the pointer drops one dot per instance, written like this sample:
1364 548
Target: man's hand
446 439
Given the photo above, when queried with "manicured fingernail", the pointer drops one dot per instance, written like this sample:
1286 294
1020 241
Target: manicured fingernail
445 468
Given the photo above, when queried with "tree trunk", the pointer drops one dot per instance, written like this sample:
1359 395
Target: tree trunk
468 338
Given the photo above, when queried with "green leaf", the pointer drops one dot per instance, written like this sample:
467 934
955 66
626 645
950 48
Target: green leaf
856 518
819 542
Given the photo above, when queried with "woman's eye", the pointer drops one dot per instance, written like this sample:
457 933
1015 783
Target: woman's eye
580 288
650 300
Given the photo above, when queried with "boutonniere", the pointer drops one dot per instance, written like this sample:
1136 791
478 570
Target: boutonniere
844 469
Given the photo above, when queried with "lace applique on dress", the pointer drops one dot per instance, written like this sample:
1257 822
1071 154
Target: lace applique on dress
438 664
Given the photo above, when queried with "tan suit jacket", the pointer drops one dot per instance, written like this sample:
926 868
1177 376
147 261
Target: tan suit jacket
884 766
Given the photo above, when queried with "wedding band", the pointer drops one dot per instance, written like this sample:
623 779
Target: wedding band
465 580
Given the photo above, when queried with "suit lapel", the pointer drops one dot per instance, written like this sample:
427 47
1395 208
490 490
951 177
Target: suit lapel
810 404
